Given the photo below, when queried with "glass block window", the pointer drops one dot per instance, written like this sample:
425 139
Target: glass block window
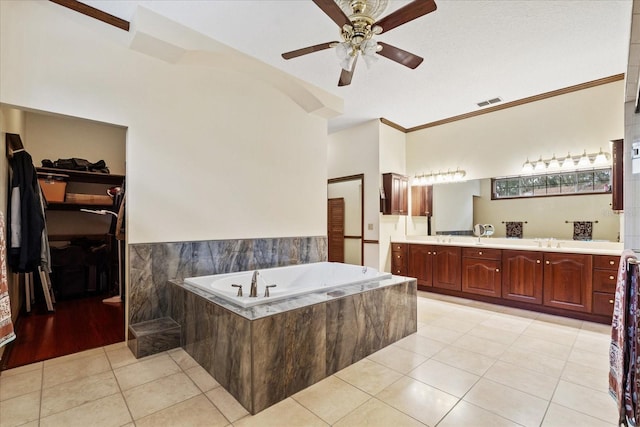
593 181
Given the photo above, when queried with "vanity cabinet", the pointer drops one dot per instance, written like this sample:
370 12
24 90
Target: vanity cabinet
481 271
447 263
522 275
421 200
605 277
420 264
568 281
396 189
399 259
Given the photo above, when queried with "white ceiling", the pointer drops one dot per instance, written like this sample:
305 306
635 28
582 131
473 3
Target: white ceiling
474 50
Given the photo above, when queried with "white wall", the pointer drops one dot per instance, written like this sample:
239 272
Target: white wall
212 152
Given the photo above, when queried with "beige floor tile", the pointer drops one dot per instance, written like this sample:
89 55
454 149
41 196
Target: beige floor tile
331 398
375 413
78 392
559 416
507 323
494 334
287 412
74 356
397 358
507 402
202 378
586 400
19 384
469 361
594 377
525 314
138 373
471 315
537 345
589 358
444 377
21 369
182 358
560 320
466 414
194 412
455 324
480 345
368 376
106 412
554 333
418 400
227 404
153 396
437 333
592 341
20 410
597 327
534 361
74 368
522 379
421 345
120 356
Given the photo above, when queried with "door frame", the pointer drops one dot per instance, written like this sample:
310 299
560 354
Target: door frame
358 177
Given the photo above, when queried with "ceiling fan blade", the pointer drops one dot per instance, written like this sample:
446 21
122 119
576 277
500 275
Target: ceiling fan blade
413 10
400 56
333 11
306 50
346 76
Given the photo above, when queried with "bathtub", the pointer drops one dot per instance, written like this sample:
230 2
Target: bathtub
290 281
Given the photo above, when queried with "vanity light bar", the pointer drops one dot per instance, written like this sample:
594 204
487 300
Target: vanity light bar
567 163
440 177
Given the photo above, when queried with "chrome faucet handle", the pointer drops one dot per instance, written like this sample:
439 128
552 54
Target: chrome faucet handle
239 289
266 289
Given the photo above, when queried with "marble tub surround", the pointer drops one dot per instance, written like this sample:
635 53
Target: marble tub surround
152 265
153 336
264 354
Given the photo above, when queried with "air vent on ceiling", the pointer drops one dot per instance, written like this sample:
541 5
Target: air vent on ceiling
489 102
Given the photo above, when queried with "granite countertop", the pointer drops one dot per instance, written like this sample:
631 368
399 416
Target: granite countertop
280 306
543 245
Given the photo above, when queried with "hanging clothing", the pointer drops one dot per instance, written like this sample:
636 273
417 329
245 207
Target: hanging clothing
26 220
6 326
623 350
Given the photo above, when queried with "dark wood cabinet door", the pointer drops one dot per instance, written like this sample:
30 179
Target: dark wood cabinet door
421 200
395 188
481 276
421 264
617 175
522 275
447 263
568 281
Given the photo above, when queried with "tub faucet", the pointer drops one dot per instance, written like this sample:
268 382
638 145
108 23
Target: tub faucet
254 284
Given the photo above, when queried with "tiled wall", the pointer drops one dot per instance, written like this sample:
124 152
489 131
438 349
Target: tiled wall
631 181
151 265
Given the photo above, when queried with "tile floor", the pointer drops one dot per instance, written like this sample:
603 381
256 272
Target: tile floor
469 364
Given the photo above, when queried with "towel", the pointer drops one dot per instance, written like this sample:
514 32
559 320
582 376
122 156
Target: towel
582 230
514 229
621 326
6 326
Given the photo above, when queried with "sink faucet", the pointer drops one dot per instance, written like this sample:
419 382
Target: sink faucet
254 284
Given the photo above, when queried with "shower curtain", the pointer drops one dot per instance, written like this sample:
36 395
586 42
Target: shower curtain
6 326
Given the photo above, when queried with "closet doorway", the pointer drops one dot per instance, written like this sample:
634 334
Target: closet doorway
87 266
345 219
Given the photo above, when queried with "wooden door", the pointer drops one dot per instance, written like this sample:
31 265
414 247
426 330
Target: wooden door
481 276
522 276
568 281
335 229
421 264
447 264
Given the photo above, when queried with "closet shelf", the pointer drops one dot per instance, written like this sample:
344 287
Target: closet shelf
89 177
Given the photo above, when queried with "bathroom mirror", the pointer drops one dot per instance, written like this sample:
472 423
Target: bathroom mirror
458 206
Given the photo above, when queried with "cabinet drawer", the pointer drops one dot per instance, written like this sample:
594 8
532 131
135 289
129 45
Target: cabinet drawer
399 247
606 262
604 280
603 303
484 253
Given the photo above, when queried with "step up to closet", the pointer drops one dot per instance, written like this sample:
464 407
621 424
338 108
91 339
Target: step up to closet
153 336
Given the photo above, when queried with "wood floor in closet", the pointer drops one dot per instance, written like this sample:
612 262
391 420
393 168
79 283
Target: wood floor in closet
76 325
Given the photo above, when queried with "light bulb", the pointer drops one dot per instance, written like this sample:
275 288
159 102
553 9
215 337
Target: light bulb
601 159
540 166
527 167
568 163
554 163
584 161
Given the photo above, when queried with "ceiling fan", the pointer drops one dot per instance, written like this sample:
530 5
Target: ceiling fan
358 29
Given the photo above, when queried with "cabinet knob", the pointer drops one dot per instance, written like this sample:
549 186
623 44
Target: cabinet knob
611 262
398 256
537 261
429 253
548 263
611 277
434 252
610 301
497 270
479 252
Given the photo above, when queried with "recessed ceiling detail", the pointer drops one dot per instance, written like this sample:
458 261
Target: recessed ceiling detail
489 102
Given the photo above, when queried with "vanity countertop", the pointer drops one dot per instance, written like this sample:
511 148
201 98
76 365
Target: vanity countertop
544 245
